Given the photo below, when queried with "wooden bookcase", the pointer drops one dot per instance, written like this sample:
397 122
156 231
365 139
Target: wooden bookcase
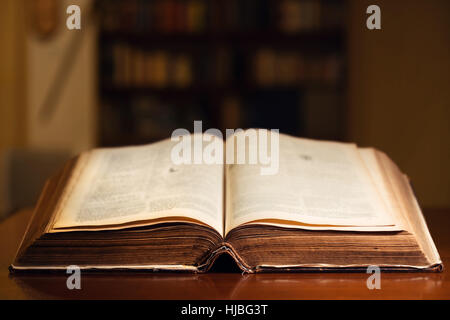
229 63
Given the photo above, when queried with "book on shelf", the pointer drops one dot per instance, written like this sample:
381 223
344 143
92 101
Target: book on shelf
331 206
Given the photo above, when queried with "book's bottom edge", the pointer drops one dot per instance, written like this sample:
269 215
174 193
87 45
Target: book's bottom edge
439 267
147 268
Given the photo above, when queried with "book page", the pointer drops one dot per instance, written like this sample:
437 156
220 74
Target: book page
122 185
369 156
323 185
407 203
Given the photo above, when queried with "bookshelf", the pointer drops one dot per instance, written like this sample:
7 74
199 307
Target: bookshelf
229 63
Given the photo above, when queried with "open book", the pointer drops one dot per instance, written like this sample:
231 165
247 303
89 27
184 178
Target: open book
330 206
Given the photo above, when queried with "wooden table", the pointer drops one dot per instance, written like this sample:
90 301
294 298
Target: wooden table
224 285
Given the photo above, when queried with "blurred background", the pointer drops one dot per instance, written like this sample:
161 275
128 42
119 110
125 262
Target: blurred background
139 69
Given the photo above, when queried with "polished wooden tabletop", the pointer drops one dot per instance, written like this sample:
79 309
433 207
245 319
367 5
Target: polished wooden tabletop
223 285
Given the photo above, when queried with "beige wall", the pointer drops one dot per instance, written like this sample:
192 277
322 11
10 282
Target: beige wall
12 70
28 65
72 126
399 90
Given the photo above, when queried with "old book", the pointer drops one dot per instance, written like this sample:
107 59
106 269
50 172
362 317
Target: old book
330 206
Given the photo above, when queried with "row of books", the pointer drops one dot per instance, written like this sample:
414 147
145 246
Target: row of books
275 68
146 117
128 66
313 112
193 16
142 119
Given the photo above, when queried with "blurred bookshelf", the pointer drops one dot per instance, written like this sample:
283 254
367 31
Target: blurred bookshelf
230 63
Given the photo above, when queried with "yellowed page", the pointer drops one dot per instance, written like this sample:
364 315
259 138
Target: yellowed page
401 188
383 186
131 184
322 184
